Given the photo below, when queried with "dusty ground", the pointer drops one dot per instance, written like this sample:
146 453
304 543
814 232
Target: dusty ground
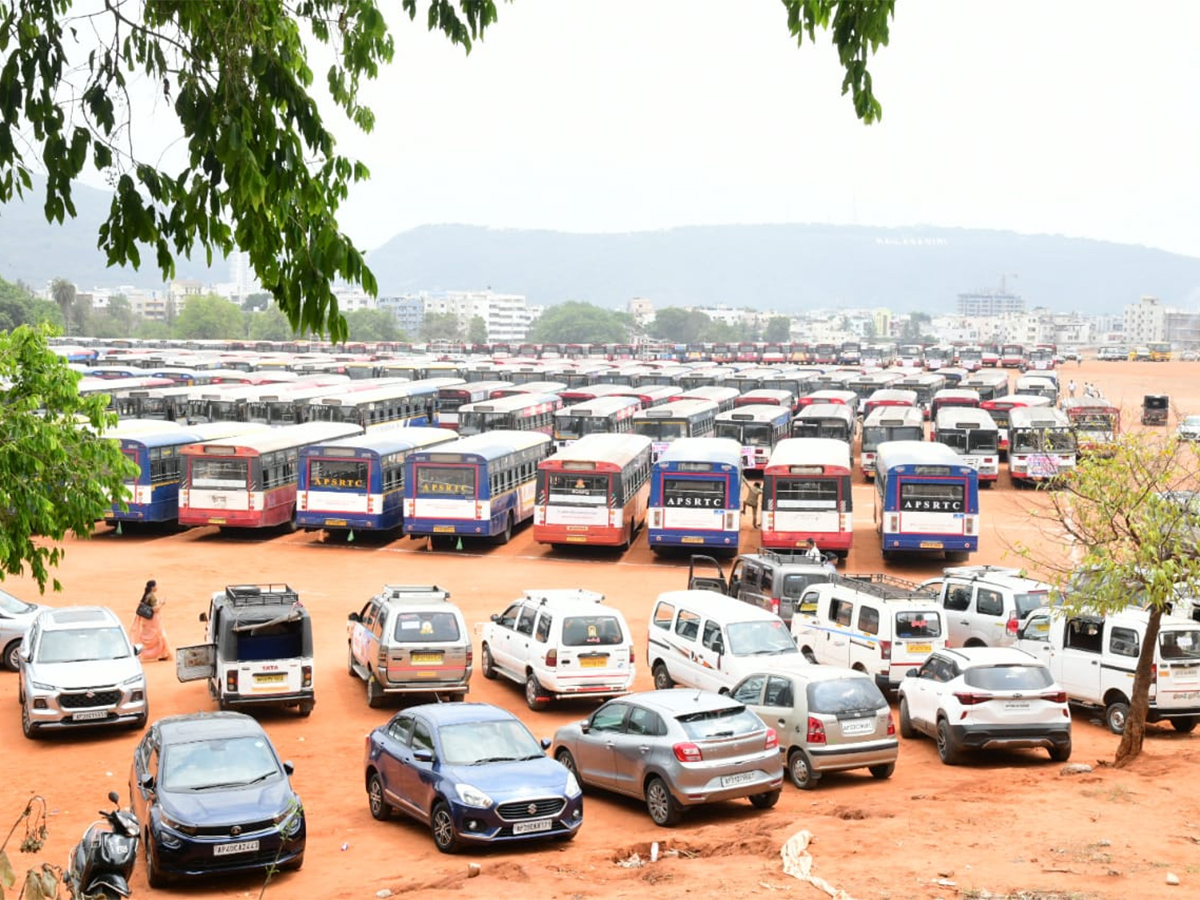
1006 823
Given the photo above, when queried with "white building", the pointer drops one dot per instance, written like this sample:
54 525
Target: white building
1146 321
508 317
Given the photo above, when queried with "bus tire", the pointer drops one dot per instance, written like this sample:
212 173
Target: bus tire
506 535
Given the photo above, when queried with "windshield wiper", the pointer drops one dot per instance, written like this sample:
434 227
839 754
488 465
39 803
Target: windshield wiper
492 759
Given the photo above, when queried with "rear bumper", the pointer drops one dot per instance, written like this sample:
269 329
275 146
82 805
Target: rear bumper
1011 737
851 756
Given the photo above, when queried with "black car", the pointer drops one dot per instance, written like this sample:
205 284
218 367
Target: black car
213 797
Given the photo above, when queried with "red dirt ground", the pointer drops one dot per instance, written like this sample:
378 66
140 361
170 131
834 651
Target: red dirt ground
1003 824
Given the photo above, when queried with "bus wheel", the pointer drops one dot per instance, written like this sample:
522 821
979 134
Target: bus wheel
506 535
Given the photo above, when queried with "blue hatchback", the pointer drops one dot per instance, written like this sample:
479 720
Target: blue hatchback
213 797
473 773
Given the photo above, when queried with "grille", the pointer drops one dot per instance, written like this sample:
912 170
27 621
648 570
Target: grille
249 829
83 701
515 812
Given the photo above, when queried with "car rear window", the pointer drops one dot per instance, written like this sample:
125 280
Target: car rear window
585 631
839 696
918 624
1027 603
426 627
1008 678
1175 645
717 723
796 584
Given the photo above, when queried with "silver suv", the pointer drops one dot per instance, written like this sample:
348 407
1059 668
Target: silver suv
15 618
77 668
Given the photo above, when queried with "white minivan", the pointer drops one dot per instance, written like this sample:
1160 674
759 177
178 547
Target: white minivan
711 641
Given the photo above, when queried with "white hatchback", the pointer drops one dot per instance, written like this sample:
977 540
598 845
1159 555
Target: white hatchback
983 698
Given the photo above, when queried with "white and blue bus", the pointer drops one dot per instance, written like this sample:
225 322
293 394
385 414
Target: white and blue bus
926 500
483 485
696 495
603 415
757 428
674 420
358 482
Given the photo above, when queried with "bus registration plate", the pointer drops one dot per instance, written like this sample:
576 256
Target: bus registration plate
335 521
443 529
691 539
931 545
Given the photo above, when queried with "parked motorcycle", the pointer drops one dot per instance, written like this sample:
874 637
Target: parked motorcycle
102 861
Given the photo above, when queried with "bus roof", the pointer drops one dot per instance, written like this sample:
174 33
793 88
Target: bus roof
677 409
282 438
891 416
842 411
396 440
756 412
1037 417
491 444
509 403
721 451
807 451
890 454
950 417
618 449
600 406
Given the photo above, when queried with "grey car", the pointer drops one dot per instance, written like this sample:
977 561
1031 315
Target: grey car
674 749
829 719
15 618
79 669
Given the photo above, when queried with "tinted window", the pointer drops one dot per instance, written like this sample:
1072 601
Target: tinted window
663 614
1179 644
795 584
426 627
1124 642
868 620
1008 678
1084 634
542 631
779 692
712 637
525 621
989 602
918 624
643 721
583 631
958 598
730 721
1027 603
400 728
609 717
422 739
844 695
688 625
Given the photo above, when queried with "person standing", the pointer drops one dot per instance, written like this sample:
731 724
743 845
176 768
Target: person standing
813 552
149 632
752 499
1071 388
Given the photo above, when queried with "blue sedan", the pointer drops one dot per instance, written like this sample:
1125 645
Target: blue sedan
213 797
473 773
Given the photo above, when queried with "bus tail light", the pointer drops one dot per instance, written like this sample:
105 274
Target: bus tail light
250 499
370 503
302 502
730 525
551 658
893 522
970 524
539 515
656 518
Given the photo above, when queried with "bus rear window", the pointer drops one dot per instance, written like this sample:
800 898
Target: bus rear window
693 493
445 481
337 474
578 489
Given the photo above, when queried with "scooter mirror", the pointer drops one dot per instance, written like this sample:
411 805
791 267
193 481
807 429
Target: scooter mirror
113 798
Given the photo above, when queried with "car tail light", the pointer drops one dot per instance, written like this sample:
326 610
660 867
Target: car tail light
966 698
687 752
1013 626
885 649
891 726
231 681
470 655
1055 697
772 740
306 676
631 654
552 657
1153 674
772 603
816 731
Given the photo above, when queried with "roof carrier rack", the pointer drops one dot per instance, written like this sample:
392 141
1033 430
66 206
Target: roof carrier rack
885 587
414 593
260 594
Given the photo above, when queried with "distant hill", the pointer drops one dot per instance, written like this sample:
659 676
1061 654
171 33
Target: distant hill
789 268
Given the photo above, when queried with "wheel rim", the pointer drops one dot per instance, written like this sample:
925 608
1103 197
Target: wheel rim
487 659
375 795
567 761
1117 719
531 691
11 659
443 827
943 744
800 771
658 802
661 680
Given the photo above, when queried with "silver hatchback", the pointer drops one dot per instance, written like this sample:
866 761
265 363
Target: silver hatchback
829 719
15 618
674 749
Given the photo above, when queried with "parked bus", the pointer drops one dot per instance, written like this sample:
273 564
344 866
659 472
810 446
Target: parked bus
119 388
1097 423
722 396
286 404
890 397
583 393
1042 444
807 494
937 357
605 415
999 410
953 397
674 420
453 397
250 481
482 485
953 375
404 404
698 378
649 395
868 383
888 423
1038 384
840 396
825 420
527 387
169 403
990 384
593 492
879 355
696 496
910 356
1041 358
1012 356
970 358
972 434
925 385
757 429
357 483
926 500
518 412
1160 351
768 397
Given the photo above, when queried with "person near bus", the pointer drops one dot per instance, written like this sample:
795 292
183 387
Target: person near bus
753 500
813 552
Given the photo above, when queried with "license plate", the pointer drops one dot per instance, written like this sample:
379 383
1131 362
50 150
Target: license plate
215 521
443 529
593 662
858 726
237 847
1016 704
576 539
740 778
335 521
919 648
272 678
691 540
931 545
532 827
427 659
90 716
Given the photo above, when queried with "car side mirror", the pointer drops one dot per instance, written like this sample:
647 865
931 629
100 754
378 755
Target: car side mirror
147 782
203 617
585 726
425 756
545 743
288 767
912 673
495 617
137 649
354 617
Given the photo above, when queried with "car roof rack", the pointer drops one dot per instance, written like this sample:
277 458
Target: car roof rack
543 595
260 594
980 571
414 593
789 556
884 586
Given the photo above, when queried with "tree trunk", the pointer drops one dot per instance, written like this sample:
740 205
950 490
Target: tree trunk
1139 704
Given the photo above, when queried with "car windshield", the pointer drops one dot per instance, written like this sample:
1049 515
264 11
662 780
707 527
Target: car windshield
1191 421
717 723
11 605
761 638
218 764
844 695
82 644
473 743
1008 678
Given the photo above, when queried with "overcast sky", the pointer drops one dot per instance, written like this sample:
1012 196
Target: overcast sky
1074 117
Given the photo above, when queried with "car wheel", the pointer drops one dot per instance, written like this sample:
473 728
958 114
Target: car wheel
1115 715
1184 724
380 808
154 877
441 823
306 708
883 770
661 804
27 727
947 749
535 697
906 725
350 663
765 801
801 771
11 658
1060 752
486 664
374 692
567 761
662 678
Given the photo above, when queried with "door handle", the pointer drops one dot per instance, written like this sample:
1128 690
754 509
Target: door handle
645 748
781 723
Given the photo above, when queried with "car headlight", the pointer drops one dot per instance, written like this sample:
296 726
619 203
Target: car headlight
136 679
288 821
573 789
472 796
177 826
41 687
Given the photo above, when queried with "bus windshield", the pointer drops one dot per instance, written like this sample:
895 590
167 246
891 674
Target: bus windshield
875 435
1050 439
661 429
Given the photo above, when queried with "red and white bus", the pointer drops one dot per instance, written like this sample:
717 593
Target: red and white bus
249 481
1096 421
999 409
454 397
649 395
889 397
593 492
519 412
807 494
767 397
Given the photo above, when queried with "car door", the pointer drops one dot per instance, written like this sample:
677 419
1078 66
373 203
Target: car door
777 707
596 759
988 619
633 748
835 648
711 658
501 645
145 762
361 637
418 778
1079 661
921 692
392 756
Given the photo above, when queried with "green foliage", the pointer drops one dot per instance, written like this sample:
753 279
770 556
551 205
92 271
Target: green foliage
580 323
477 331
18 306
55 476
269 325
687 326
116 320
210 316
440 327
779 330
372 325
256 301
152 330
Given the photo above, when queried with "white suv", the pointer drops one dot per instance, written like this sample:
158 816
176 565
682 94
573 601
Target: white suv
561 642
985 698
985 606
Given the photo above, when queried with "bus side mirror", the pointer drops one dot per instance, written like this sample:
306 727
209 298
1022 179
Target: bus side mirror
203 617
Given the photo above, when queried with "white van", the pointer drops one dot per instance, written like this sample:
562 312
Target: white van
877 624
706 640
1095 657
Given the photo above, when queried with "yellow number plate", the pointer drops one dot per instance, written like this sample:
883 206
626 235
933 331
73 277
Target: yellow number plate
691 540
576 539
920 648
278 678
212 521
443 529
931 545
425 659
335 521
593 662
